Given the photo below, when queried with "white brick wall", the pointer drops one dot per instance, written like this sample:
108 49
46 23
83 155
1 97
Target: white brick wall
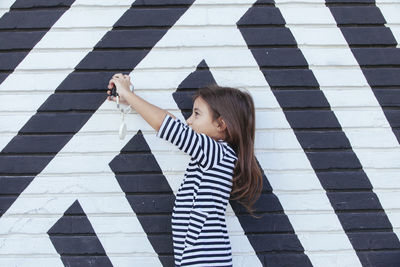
207 31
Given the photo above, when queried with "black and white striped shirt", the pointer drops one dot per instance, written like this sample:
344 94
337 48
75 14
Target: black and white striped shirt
199 232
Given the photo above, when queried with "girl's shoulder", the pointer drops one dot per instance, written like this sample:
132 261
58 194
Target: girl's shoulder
228 150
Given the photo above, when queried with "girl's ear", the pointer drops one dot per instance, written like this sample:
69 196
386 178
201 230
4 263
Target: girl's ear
221 124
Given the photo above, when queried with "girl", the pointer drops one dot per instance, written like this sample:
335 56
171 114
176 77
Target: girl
219 137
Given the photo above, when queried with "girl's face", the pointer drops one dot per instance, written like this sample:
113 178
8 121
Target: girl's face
201 121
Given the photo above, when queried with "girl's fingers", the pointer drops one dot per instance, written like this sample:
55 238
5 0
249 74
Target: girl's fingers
117 75
109 97
120 76
117 78
110 84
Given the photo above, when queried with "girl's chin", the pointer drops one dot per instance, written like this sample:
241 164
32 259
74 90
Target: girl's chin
199 132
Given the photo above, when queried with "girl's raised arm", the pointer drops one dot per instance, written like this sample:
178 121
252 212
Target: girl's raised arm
202 148
152 114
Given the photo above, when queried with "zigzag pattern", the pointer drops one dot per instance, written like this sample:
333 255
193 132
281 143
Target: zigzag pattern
325 79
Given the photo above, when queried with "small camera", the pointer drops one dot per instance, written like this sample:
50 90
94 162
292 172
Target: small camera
114 91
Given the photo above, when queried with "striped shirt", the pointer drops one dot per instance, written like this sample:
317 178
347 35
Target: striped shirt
199 233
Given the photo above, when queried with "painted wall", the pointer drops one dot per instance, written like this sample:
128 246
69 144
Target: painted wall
325 77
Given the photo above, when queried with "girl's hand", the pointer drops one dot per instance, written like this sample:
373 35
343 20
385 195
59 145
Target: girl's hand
122 84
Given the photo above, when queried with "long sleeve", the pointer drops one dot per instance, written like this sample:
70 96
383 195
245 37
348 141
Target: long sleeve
202 148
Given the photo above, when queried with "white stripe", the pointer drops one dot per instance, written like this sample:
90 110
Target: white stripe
38 75
5 6
390 10
356 115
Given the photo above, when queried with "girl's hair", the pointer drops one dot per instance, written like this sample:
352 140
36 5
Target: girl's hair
236 108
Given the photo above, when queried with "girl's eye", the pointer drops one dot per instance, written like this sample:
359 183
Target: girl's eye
196 113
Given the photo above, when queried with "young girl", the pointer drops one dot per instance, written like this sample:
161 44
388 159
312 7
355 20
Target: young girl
219 137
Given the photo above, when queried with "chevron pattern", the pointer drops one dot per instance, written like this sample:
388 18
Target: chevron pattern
325 77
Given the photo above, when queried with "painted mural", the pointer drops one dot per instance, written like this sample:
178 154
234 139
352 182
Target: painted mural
325 78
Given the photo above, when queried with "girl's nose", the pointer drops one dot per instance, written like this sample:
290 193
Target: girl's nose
189 120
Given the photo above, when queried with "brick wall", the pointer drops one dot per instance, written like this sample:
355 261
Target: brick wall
325 79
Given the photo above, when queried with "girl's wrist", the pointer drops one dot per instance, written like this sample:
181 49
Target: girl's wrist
129 97
125 92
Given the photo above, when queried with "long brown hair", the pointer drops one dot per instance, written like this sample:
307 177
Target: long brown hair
236 108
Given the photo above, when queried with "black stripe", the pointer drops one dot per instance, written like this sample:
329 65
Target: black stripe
165 128
148 193
197 155
22 28
77 245
170 128
194 145
309 114
374 47
176 130
218 152
181 141
212 151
